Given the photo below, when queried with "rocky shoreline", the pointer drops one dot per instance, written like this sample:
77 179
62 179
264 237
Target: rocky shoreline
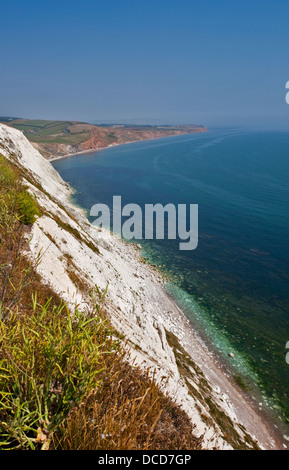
158 336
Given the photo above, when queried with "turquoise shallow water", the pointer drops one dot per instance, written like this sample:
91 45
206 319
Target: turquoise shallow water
235 286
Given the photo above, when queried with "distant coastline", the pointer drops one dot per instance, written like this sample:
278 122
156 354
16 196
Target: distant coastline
160 337
58 139
84 152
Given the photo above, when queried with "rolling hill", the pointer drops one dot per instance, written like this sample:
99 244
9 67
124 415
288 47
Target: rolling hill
55 139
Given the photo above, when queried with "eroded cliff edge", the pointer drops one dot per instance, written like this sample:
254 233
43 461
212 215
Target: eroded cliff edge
159 335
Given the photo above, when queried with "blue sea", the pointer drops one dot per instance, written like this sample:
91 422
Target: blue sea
234 287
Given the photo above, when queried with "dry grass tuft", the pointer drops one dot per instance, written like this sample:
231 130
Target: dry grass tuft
127 412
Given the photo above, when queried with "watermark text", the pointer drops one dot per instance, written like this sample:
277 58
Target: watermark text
156 221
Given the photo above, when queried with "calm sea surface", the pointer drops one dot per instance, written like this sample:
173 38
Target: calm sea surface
235 286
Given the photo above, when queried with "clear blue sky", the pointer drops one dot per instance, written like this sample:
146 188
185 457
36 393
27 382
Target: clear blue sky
214 62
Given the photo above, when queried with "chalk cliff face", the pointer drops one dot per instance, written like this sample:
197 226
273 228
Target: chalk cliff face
158 334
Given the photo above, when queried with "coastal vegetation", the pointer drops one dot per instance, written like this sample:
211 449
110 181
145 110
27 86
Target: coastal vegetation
65 382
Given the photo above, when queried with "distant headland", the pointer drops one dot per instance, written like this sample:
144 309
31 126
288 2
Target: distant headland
56 139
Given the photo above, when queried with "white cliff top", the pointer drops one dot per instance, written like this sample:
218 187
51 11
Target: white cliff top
137 303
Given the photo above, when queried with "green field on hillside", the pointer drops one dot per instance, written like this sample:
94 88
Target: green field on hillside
58 132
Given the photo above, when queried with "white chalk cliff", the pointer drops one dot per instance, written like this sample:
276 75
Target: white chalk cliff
138 306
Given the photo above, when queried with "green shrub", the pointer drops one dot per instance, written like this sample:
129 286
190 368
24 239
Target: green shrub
14 194
8 176
27 208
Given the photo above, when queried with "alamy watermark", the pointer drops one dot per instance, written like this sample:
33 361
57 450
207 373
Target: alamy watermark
287 355
287 95
155 222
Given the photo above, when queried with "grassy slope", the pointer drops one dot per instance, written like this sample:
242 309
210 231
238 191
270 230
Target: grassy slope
65 384
59 132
